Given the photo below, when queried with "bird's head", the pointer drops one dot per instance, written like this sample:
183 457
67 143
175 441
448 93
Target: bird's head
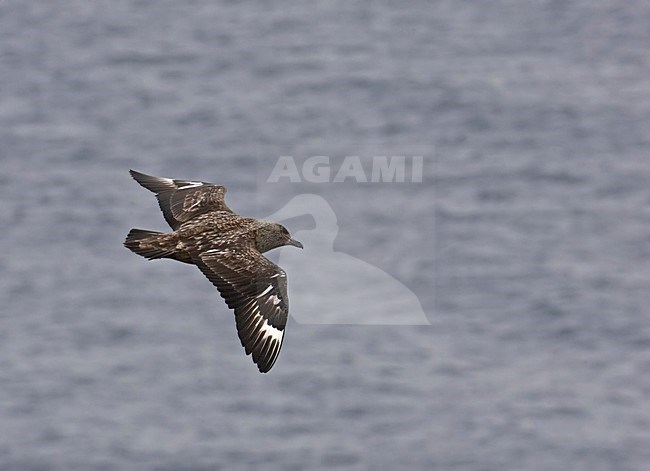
271 235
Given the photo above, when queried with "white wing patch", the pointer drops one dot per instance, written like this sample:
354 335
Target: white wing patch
270 331
265 291
191 185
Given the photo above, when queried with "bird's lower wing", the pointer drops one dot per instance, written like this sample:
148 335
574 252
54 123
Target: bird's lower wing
256 289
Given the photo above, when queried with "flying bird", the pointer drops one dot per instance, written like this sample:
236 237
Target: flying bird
228 249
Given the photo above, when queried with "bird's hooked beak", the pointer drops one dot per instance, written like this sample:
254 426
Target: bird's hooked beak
295 243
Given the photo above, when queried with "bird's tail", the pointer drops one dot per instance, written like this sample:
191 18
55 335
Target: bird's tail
146 244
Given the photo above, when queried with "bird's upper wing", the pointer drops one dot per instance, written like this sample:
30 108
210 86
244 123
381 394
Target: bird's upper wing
181 200
256 289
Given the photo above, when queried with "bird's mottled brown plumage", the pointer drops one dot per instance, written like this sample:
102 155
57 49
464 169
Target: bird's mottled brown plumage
228 249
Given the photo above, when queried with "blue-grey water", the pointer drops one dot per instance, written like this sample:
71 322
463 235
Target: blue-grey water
527 243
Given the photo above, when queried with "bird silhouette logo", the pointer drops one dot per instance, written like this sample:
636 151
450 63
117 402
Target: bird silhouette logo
337 288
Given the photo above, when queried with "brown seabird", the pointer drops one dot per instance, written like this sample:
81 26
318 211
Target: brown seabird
228 249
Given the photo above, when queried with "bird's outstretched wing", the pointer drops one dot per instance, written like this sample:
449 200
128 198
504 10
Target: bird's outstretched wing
182 200
256 289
